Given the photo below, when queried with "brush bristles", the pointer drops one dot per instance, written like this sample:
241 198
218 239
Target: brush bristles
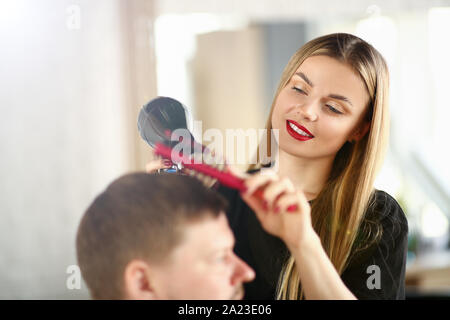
205 179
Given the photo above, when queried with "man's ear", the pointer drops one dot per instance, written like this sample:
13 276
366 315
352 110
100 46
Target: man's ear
360 132
138 281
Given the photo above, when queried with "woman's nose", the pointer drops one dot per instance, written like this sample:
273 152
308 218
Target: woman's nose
308 111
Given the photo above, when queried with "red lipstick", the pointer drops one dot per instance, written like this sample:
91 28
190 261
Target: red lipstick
295 134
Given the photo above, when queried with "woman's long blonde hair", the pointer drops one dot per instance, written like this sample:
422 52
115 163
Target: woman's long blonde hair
337 212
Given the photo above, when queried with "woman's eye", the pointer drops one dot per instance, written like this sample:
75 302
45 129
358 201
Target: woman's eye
299 90
333 109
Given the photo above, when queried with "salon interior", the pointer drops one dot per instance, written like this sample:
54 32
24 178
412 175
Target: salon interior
75 74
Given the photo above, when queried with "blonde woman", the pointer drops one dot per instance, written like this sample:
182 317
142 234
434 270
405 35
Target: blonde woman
346 240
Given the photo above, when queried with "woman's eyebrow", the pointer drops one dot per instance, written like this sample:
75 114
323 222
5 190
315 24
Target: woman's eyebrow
339 97
304 77
333 96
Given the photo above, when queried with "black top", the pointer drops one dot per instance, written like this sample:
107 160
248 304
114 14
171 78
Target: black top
266 254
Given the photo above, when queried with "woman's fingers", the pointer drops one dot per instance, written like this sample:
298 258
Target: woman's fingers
256 205
286 213
285 201
275 189
291 200
254 182
157 164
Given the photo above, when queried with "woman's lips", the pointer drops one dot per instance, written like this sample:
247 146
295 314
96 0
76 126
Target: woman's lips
295 134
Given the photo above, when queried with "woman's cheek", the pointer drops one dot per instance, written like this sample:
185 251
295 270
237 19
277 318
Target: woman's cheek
276 118
280 109
332 137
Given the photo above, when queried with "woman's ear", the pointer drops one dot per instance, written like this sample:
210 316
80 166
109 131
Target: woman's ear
138 282
360 132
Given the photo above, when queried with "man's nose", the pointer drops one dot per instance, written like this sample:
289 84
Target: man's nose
242 271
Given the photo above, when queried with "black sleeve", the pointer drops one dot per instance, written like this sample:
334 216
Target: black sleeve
379 271
232 197
235 204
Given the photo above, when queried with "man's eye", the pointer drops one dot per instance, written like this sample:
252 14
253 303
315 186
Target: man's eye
221 259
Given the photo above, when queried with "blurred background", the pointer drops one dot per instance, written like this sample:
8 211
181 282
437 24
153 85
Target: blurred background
74 75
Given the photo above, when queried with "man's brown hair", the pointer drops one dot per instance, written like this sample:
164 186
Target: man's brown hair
138 216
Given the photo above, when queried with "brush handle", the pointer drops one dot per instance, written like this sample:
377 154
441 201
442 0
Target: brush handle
223 176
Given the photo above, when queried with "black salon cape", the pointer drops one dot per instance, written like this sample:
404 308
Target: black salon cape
266 254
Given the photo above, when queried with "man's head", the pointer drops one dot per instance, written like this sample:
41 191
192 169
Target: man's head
159 237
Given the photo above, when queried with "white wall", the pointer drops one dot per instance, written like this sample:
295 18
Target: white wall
62 134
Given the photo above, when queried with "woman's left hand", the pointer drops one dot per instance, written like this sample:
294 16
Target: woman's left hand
295 227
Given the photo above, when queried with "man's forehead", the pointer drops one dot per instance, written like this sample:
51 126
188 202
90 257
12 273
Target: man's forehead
208 233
